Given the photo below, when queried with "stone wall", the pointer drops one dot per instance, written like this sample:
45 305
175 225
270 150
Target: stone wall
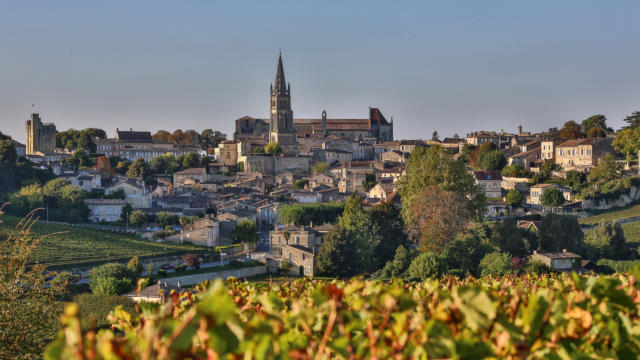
509 183
275 165
623 200
198 278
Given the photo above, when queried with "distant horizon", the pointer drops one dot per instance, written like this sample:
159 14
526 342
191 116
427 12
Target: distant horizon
452 68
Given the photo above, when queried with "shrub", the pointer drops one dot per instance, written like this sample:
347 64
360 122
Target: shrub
135 265
611 190
496 264
111 279
426 265
536 267
609 266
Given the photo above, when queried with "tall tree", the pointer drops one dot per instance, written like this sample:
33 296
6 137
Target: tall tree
606 240
506 236
558 232
273 148
440 216
627 142
434 166
606 170
435 136
633 120
552 197
595 121
571 130
8 154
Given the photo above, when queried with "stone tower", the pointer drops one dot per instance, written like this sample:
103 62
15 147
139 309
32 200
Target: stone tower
281 128
324 123
40 137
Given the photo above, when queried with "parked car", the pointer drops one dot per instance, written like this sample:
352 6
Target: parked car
166 266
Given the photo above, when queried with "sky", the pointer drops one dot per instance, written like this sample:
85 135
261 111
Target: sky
450 66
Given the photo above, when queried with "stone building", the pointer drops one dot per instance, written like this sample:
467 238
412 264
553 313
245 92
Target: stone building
281 127
582 154
297 245
41 137
132 145
204 232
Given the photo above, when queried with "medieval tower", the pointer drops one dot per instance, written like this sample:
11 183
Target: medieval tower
281 128
40 137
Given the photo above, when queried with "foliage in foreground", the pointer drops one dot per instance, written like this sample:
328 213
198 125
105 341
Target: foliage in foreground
557 316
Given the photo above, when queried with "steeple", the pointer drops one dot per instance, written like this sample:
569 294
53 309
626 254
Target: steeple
280 84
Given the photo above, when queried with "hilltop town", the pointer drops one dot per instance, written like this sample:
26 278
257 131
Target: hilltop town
276 187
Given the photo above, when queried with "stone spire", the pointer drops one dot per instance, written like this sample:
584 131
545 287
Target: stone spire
280 84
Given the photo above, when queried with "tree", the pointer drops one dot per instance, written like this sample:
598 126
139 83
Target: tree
435 136
369 181
596 132
300 184
627 142
515 198
552 197
273 148
576 179
320 167
440 215
29 306
633 120
514 170
191 160
245 231
559 232
467 249
398 266
339 254
479 152
506 236
137 218
135 265
595 121
111 279
571 130
606 170
492 160
165 218
80 159
606 240
125 213
139 169
426 265
434 166
496 264
8 154
164 164
193 261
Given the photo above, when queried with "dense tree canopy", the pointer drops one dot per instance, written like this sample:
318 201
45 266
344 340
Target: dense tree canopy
552 197
61 200
79 139
316 213
595 121
571 130
606 240
434 166
633 120
558 232
627 142
245 231
515 198
606 170
8 154
273 148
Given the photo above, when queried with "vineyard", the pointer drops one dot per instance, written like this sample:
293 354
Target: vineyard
554 317
72 246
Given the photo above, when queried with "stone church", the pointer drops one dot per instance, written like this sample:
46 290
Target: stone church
288 132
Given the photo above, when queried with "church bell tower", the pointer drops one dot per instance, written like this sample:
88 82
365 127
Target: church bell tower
281 128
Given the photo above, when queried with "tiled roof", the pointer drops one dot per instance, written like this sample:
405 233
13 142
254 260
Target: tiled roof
133 135
192 171
488 175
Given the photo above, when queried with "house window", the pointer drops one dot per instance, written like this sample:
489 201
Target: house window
297 240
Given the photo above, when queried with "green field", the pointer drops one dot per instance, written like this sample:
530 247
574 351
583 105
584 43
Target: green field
612 215
632 232
79 247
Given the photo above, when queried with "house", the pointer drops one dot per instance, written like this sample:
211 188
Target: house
321 179
203 232
136 194
536 191
227 153
132 145
562 261
527 158
497 208
394 156
547 148
582 154
108 210
382 191
196 175
490 181
267 216
298 245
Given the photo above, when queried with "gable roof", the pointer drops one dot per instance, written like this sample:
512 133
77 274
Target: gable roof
133 135
192 171
488 175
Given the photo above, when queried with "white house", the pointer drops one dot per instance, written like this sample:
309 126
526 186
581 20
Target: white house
105 209
136 193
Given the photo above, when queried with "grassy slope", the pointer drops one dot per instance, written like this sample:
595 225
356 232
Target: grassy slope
85 247
620 214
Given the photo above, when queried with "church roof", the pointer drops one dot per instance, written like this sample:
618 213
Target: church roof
280 83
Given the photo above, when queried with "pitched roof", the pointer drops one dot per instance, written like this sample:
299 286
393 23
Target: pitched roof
133 135
488 175
104 202
192 171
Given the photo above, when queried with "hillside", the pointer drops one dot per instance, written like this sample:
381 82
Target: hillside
72 246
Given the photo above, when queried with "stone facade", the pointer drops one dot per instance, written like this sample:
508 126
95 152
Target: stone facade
41 137
133 145
204 232
275 165
582 154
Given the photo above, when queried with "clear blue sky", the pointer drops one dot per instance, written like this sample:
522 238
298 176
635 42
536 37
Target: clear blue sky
451 66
